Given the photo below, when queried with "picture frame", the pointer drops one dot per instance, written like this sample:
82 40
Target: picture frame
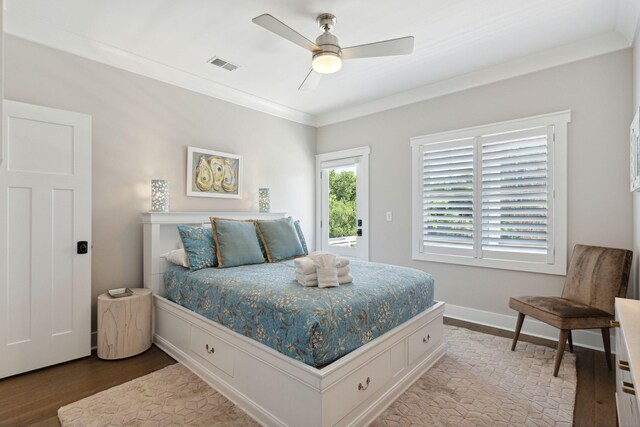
213 174
635 151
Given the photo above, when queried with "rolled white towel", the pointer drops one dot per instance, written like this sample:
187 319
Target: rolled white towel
305 282
342 280
345 278
314 276
305 265
340 261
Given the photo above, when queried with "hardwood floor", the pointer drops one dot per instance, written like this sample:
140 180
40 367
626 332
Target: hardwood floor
34 398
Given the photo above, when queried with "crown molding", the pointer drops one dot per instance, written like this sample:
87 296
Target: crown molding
565 54
41 33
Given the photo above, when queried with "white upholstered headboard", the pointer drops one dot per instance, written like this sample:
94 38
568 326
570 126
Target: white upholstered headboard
160 235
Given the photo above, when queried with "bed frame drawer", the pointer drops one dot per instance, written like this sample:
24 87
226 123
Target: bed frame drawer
212 350
424 339
355 388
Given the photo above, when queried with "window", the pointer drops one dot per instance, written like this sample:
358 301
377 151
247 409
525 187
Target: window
493 196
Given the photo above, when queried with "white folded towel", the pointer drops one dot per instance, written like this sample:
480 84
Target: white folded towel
322 269
325 267
343 271
327 276
340 260
323 260
305 265
342 280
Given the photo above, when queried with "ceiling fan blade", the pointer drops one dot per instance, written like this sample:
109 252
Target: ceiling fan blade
270 23
401 46
311 81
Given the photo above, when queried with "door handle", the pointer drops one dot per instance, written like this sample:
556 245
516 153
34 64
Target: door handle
83 247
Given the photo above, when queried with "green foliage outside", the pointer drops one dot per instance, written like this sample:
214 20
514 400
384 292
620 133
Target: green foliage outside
342 204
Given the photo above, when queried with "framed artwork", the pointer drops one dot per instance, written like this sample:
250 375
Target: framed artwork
213 174
635 151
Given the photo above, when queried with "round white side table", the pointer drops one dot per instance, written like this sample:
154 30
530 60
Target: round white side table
124 324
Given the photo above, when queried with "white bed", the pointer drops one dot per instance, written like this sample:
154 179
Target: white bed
273 388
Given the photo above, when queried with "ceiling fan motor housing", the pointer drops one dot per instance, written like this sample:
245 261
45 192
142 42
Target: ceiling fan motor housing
328 43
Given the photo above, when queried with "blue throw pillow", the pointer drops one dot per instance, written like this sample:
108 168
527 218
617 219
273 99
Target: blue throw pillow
236 243
303 241
199 246
280 239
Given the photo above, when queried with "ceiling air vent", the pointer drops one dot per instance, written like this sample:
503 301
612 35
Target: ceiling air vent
219 62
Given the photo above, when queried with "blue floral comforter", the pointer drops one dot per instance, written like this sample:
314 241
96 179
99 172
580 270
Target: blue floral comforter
316 326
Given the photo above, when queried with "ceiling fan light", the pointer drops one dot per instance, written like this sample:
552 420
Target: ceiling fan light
326 63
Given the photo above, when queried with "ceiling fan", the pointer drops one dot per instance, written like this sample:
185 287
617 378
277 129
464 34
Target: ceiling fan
327 55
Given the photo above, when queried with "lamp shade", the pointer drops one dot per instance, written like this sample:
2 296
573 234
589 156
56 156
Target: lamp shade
159 195
264 200
326 63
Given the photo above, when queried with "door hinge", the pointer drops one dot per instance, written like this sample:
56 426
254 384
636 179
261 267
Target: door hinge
320 224
554 137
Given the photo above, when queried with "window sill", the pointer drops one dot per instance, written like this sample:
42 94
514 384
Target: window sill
531 267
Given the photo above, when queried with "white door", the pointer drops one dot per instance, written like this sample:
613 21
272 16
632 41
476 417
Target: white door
45 215
343 201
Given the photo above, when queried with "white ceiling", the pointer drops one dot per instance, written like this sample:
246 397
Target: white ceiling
172 40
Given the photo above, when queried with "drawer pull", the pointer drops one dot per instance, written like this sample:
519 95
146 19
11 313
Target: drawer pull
628 385
426 340
629 390
210 350
614 323
364 387
623 365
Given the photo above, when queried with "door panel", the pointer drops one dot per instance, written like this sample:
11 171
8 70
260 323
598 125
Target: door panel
343 203
340 196
45 184
18 317
62 266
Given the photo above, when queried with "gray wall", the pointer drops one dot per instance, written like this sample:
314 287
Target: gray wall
598 93
141 130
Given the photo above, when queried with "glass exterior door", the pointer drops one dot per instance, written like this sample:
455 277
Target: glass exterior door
343 208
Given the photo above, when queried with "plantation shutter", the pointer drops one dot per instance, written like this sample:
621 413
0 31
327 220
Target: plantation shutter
447 186
517 195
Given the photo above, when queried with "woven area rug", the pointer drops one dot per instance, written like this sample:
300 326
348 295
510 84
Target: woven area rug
479 382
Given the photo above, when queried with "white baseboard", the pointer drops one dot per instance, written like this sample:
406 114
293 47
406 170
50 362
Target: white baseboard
584 338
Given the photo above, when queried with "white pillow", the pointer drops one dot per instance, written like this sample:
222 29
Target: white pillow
177 257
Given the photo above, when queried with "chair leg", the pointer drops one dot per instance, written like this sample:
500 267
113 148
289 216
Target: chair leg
570 341
564 334
606 340
517 333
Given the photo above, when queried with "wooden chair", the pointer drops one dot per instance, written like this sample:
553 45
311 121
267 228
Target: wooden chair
595 278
